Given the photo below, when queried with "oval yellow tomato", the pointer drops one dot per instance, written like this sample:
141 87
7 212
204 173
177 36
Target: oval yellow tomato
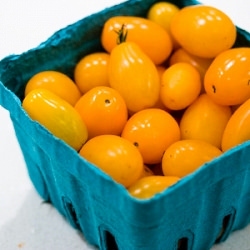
56 82
237 129
205 120
152 131
103 110
186 156
149 186
92 71
227 80
148 35
57 115
180 86
116 156
203 30
134 76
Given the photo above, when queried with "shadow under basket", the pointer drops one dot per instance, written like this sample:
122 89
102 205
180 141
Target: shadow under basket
197 212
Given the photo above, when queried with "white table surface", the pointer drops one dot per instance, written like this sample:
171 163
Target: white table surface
25 222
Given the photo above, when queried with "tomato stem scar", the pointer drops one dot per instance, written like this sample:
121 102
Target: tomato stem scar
107 101
214 88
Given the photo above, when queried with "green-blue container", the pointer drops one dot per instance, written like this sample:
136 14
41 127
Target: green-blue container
201 209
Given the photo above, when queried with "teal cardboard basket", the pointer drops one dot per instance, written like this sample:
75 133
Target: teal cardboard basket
199 211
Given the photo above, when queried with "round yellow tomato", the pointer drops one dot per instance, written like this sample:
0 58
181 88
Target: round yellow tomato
180 86
92 71
149 186
134 76
56 82
227 78
186 156
237 129
205 120
153 39
203 30
103 110
57 115
152 131
116 156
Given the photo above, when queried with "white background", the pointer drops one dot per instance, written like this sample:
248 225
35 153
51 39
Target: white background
25 222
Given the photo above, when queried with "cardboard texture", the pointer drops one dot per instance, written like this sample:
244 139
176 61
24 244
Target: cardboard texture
198 211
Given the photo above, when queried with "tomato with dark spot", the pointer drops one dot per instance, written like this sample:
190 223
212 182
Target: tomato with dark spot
227 78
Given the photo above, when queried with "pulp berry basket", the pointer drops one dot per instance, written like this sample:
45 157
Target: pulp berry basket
201 209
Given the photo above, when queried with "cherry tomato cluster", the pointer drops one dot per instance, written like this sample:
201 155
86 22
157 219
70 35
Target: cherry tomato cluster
168 93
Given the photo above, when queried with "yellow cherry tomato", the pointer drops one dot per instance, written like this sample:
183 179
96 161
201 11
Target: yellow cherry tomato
180 86
133 74
103 110
116 156
92 71
56 82
57 115
149 186
152 131
186 156
227 80
203 30
205 120
153 39
237 129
